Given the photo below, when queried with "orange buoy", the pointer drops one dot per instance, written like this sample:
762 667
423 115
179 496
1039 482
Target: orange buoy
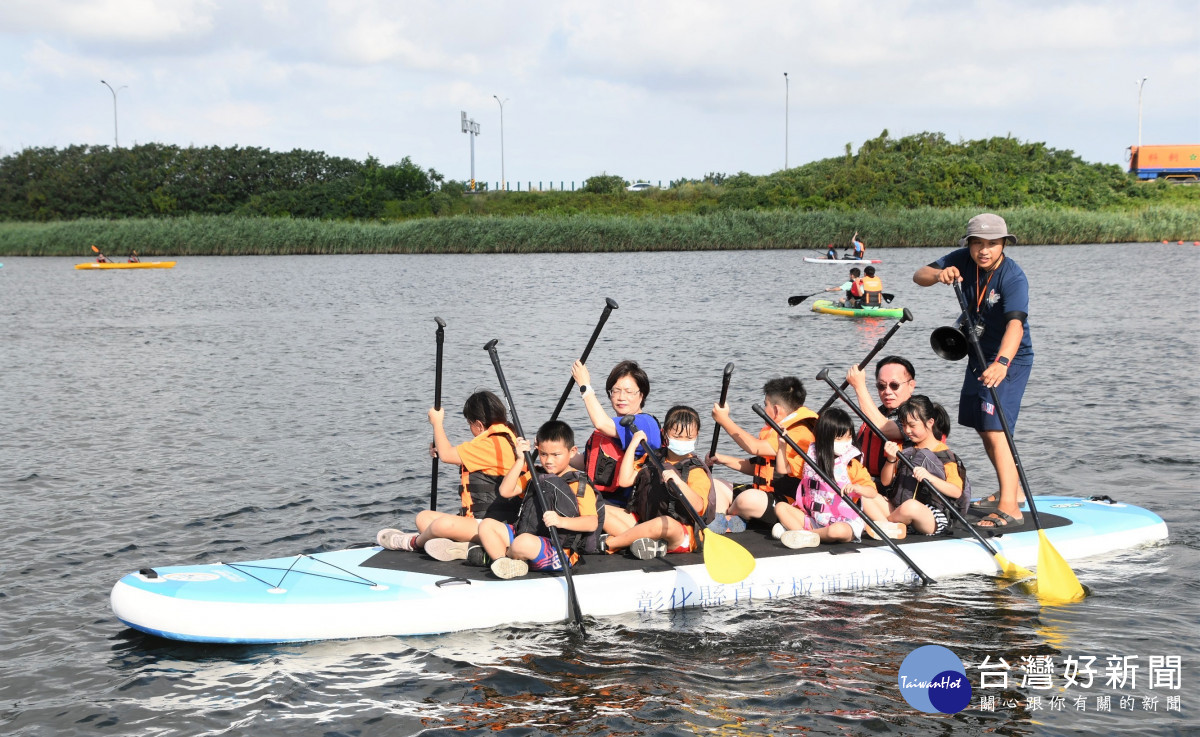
1164 243
1181 243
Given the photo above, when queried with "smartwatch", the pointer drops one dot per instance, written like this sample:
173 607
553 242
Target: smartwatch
1002 360
584 389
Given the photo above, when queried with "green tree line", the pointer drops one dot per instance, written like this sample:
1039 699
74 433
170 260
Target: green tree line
919 171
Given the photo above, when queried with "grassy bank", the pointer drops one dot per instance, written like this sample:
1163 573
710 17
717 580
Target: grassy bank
752 229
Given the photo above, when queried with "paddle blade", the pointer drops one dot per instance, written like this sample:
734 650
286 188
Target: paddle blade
1057 583
793 301
725 560
1011 570
97 250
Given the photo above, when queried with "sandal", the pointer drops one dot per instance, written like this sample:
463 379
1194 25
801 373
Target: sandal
998 520
987 503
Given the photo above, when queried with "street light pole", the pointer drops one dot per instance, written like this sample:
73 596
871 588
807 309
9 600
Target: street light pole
786 108
116 141
1142 82
501 103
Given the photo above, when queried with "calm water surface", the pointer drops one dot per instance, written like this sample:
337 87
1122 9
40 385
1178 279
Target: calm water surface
244 408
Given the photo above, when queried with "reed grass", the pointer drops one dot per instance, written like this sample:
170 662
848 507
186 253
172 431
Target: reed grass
721 230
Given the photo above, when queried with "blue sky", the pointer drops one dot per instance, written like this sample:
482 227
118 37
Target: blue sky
646 90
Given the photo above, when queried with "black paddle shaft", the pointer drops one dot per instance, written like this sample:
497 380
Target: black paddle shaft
572 598
973 339
824 376
627 422
879 344
437 404
609 306
724 394
833 485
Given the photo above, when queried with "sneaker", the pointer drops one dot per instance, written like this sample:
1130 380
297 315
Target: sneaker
397 540
602 542
777 531
477 556
647 548
735 524
443 548
509 568
719 525
796 539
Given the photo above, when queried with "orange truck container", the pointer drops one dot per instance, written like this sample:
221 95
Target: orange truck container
1179 162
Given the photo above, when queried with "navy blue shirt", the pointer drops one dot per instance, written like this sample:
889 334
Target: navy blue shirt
1005 296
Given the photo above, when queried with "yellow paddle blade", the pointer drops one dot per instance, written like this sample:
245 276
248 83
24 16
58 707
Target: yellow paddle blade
1008 569
1056 581
725 560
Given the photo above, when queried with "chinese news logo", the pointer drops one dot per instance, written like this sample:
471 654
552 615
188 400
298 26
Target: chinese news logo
932 678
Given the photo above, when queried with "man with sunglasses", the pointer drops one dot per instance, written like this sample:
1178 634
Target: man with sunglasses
895 380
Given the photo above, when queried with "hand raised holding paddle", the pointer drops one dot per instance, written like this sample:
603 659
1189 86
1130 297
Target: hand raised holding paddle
724 395
862 365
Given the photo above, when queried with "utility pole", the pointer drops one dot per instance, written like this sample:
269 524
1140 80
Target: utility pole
1139 84
471 128
116 140
501 103
786 108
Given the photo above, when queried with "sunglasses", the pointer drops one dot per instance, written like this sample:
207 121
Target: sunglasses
894 385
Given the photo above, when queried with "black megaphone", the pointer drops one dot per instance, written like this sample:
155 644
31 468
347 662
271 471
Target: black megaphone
949 343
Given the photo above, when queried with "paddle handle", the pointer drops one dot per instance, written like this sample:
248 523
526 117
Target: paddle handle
572 597
973 339
724 394
437 404
610 304
823 375
834 485
862 365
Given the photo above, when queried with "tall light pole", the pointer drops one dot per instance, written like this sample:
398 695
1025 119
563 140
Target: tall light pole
501 103
471 128
786 107
1139 84
116 141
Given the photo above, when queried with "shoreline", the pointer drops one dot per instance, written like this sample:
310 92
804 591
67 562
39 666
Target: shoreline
723 230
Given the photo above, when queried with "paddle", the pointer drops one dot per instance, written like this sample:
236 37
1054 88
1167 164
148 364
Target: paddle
609 306
797 299
97 250
1057 583
1007 567
879 344
572 599
834 485
724 394
725 560
437 404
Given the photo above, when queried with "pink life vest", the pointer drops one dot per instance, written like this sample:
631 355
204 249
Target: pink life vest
822 504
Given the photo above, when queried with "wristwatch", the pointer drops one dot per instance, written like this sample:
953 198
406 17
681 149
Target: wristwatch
1002 360
584 389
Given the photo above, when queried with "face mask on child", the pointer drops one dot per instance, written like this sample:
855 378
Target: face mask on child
680 447
841 446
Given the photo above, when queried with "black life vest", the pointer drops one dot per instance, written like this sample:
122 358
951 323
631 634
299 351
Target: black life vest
480 492
651 497
563 494
904 485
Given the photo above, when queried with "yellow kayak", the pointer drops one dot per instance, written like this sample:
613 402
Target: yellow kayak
134 265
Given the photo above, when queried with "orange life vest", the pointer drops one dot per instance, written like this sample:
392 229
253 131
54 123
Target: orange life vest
480 490
873 287
764 468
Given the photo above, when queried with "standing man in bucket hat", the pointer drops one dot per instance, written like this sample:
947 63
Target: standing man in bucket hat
997 294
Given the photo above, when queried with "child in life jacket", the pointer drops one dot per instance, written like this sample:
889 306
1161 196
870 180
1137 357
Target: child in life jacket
857 248
924 423
783 401
483 461
872 288
852 288
515 548
661 524
628 387
819 514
